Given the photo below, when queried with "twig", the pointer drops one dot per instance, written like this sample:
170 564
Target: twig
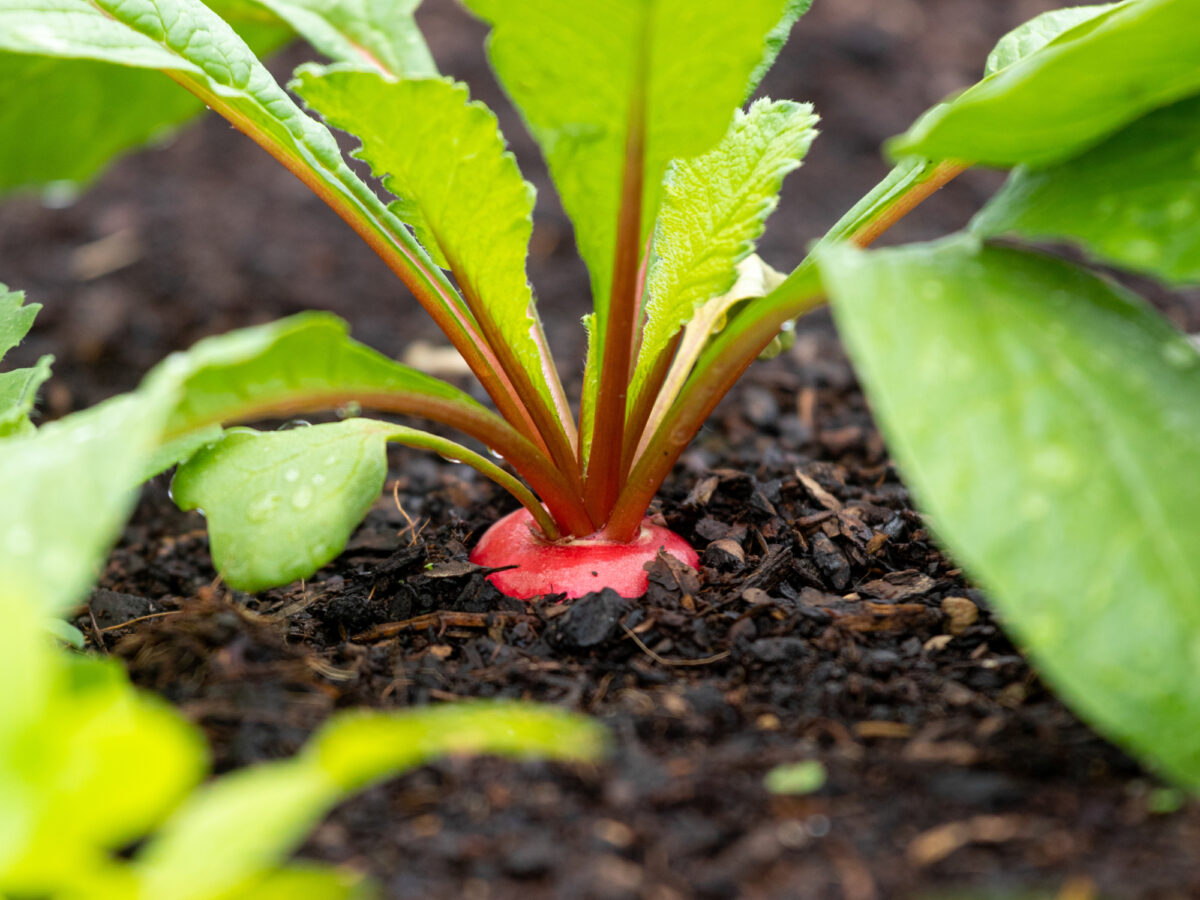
663 661
443 618
128 622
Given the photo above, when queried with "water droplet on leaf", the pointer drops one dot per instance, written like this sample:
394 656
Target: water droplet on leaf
263 507
302 499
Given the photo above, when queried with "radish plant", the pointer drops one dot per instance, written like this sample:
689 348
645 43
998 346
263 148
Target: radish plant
1045 417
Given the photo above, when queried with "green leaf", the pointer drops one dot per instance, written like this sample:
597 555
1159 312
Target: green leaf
376 35
18 389
1133 201
49 551
15 318
715 207
99 737
1047 421
18 392
205 55
307 881
76 775
586 76
360 748
803 777
1038 32
445 161
1072 92
75 115
303 362
233 830
282 504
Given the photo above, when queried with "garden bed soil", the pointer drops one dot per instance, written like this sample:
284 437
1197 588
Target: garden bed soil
824 625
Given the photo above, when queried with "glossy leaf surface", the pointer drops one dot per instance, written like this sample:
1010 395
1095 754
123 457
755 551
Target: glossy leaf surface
84 113
282 504
1047 422
375 35
1132 201
299 362
1039 31
1070 93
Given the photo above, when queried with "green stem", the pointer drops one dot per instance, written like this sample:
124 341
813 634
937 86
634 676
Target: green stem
448 449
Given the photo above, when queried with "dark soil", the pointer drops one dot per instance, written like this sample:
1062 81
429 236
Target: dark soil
824 625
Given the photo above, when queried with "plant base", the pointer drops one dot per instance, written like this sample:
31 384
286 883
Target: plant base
575 567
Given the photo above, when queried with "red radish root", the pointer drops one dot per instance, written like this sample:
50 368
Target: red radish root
574 567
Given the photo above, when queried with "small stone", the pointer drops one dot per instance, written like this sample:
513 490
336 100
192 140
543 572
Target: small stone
591 620
961 614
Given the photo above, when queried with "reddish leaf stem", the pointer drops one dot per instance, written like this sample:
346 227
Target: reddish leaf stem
733 350
608 436
559 495
430 287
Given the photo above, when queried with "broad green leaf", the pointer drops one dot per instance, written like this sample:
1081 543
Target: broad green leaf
714 208
67 489
360 748
303 362
18 389
445 161
81 771
376 35
586 77
1066 96
1047 422
233 830
282 504
205 55
1038 32
1133 201
308 881
74 115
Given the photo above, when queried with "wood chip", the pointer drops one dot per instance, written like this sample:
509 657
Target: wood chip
961 614
936 844
873 729
819 493
899 585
